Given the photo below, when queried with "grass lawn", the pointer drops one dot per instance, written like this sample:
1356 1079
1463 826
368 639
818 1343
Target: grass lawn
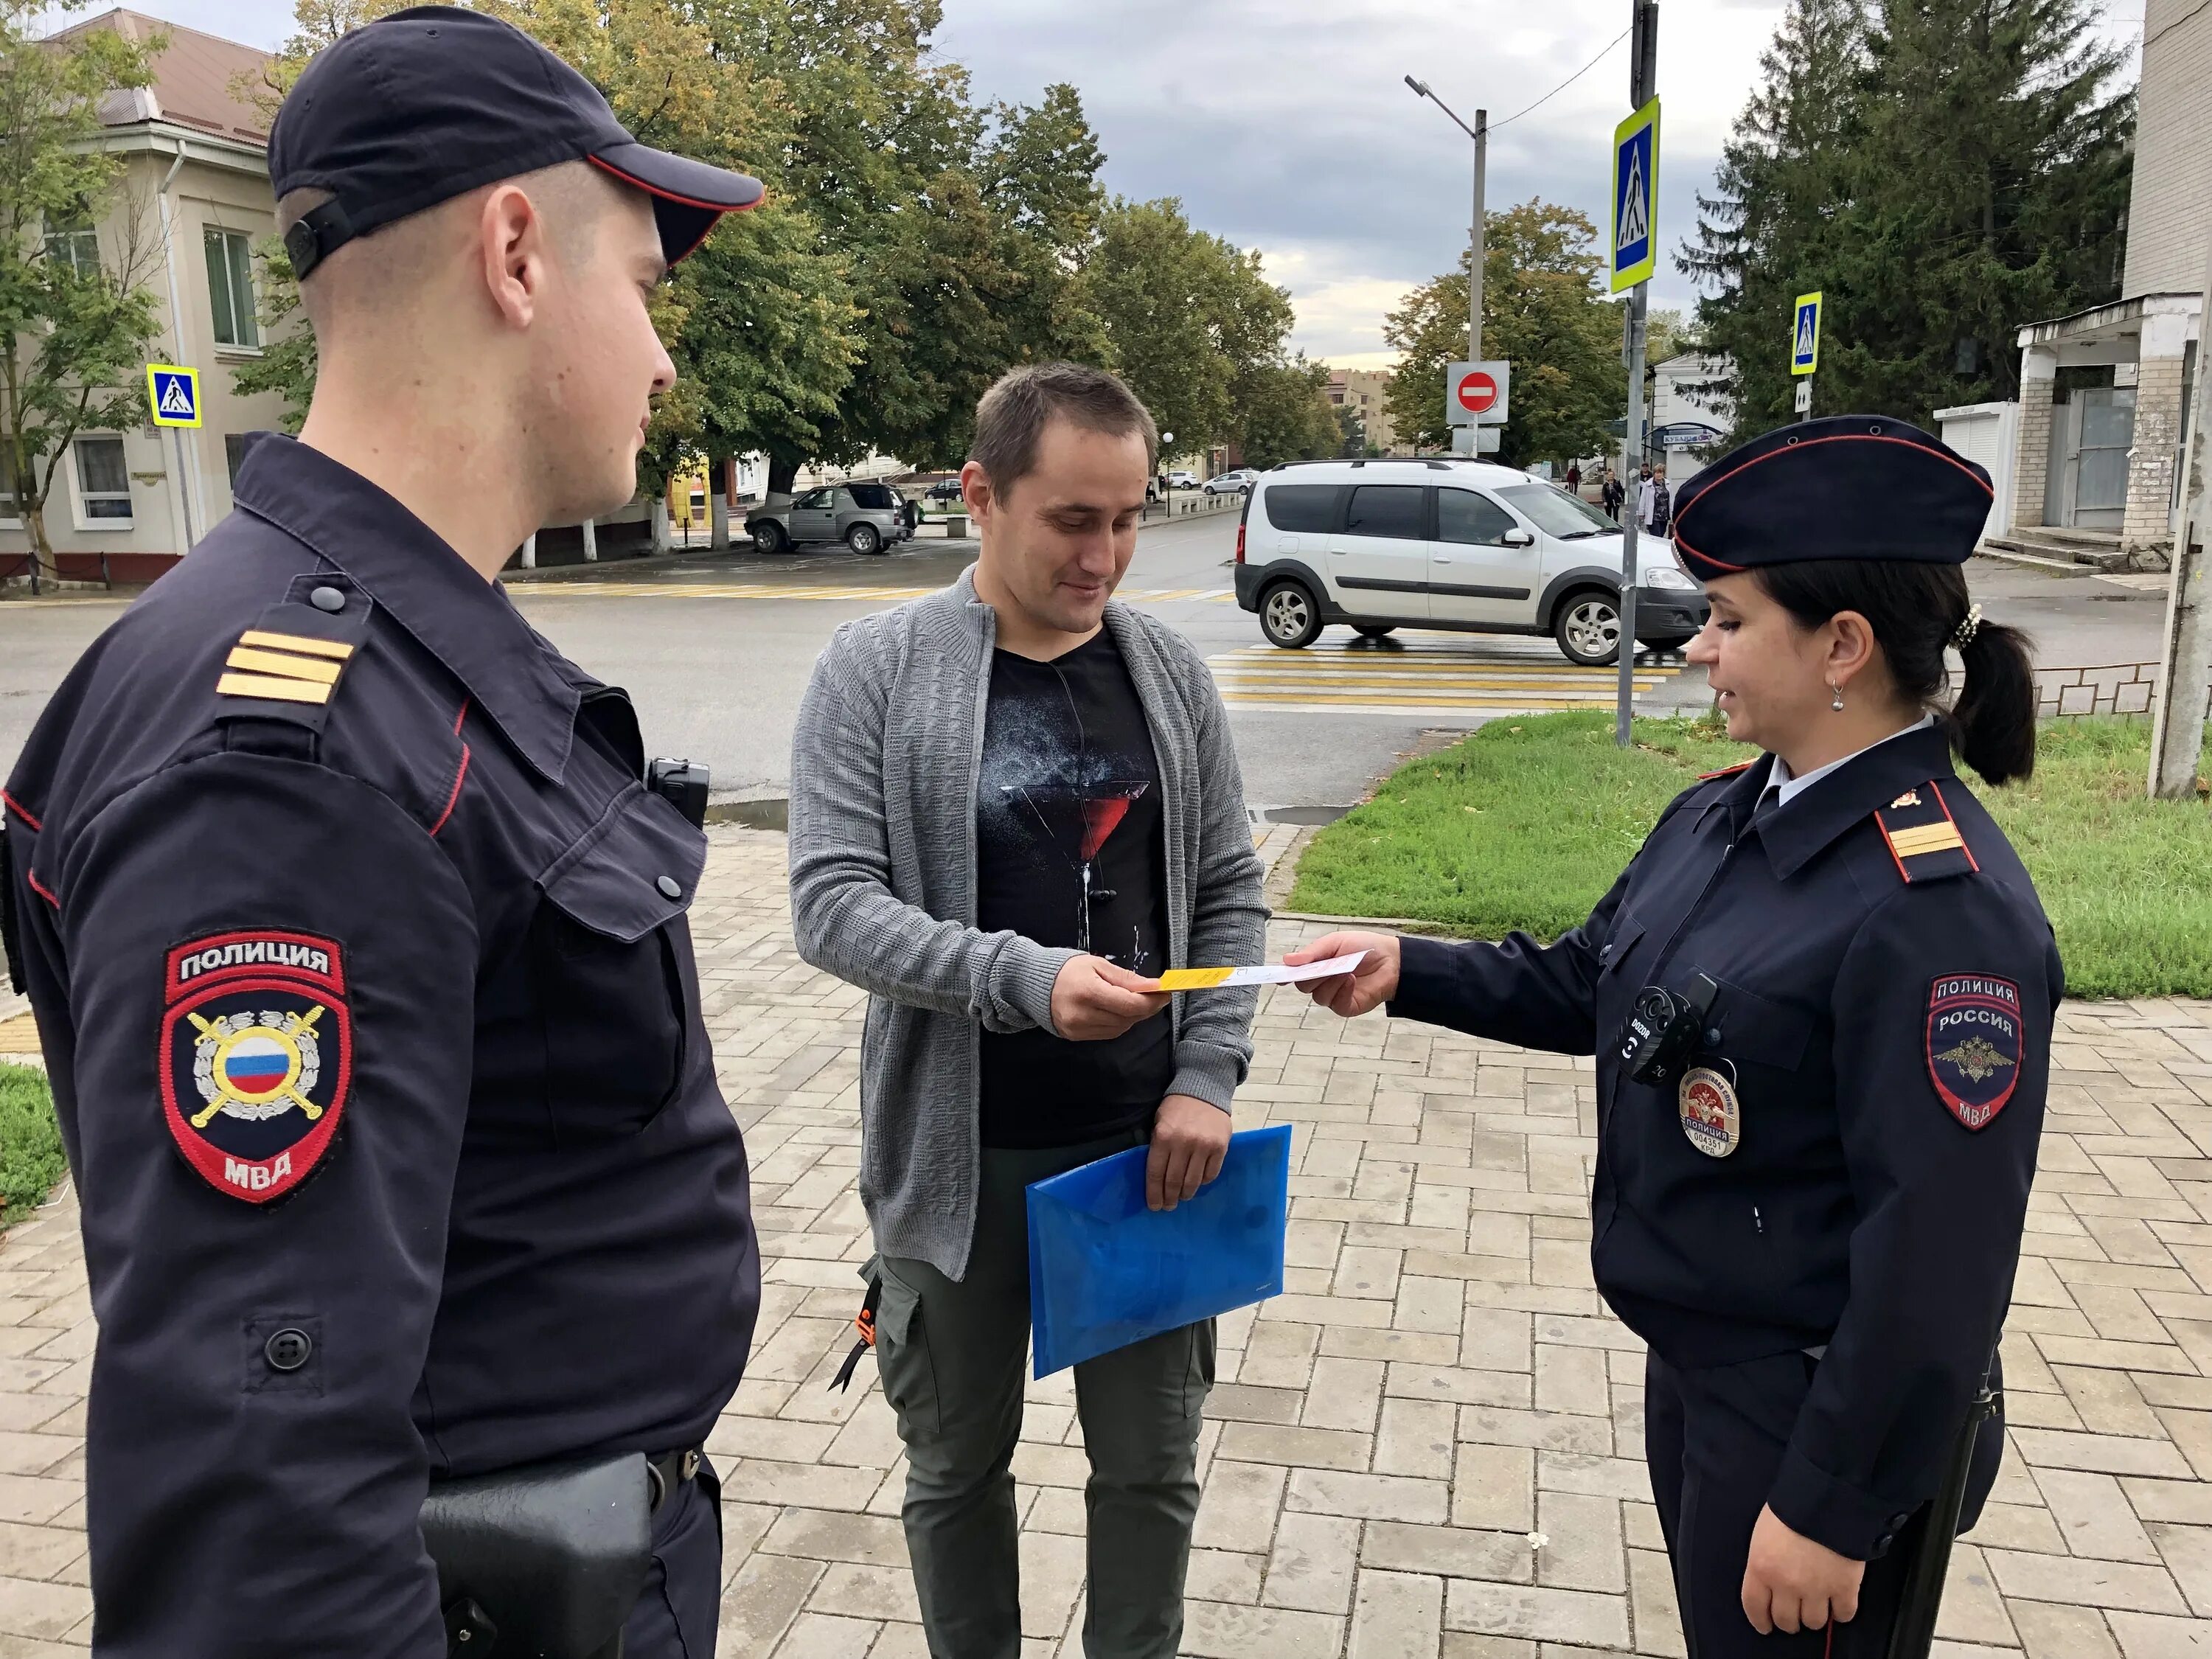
1526 823
30 1145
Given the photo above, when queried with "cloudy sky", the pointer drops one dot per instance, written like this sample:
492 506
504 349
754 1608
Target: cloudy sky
1286 125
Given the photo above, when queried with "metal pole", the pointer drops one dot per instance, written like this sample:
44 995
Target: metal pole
1643 87
2178 727
1475 260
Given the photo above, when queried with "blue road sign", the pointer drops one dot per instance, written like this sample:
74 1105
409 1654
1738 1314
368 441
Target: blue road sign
1636 198
173 393
1805 336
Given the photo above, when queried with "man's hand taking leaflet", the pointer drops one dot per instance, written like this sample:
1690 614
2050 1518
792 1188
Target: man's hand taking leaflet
1791 1583
1369 985
1190 1137
1093 1000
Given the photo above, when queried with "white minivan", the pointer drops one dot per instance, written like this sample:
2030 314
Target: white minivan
1452 544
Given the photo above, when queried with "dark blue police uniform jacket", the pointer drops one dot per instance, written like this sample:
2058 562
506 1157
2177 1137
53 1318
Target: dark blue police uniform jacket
1884 1016
358 951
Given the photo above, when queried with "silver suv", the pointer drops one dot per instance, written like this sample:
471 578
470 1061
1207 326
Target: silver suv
868 518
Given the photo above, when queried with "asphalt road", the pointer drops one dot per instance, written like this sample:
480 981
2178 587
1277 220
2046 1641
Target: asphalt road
716 653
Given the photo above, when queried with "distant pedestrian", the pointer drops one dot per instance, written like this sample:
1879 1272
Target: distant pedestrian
1612 493
1662 518
1644 495
1574 476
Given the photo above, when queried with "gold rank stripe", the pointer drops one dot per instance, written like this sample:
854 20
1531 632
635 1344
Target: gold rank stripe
1926 838
300 642
270 685
276 662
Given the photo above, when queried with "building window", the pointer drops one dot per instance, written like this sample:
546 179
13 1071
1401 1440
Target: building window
103 482
74 243
233 453
230 285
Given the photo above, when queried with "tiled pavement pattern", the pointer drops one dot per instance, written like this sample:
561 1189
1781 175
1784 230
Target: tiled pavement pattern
1429 1446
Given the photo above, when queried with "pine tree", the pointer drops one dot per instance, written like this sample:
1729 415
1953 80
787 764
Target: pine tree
1988 191
1766 233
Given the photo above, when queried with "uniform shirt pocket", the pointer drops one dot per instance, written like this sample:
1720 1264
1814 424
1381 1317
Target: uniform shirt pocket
613 983
1627 931
1756 1029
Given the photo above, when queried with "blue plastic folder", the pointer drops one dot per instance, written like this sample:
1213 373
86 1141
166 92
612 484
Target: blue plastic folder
1105 1272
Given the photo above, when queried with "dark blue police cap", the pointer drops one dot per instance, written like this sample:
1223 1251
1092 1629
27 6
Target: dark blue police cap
417 107
1848 487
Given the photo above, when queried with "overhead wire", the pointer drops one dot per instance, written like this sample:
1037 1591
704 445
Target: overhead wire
1569 81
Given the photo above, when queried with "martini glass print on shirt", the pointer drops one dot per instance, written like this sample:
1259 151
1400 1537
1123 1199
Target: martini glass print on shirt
1098 810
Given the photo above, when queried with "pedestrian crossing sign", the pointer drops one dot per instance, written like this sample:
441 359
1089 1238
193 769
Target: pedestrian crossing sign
1635 243
1805 337
173 393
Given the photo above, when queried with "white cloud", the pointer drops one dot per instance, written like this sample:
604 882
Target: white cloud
1285 126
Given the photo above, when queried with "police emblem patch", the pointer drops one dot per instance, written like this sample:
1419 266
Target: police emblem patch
1974 1045
1712 1116
257 1058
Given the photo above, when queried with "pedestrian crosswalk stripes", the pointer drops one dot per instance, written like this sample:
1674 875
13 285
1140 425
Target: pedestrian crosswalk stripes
846 591
1433 676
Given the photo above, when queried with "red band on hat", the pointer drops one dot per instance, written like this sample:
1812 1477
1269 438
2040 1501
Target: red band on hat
602 163
1683 512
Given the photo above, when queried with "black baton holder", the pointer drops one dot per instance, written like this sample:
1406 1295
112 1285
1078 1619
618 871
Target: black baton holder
1914 1632
543 1562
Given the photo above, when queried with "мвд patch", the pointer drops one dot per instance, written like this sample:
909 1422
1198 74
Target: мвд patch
1975 1042
257 1057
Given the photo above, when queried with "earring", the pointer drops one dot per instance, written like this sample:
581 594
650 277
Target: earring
1837 704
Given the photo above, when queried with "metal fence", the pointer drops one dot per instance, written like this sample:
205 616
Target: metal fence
2124 687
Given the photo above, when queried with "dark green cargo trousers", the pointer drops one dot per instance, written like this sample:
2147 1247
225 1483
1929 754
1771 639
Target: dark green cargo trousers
954 1360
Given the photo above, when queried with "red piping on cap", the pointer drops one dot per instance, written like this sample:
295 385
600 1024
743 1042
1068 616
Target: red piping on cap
1840 438
717 208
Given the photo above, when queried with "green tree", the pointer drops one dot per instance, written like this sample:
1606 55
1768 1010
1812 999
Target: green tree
1766 233
1195 327
1284 414
1990 186
1352 434
961 232
1941 170
75 320
1542 311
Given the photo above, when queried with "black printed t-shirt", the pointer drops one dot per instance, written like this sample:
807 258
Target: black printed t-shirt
1071 851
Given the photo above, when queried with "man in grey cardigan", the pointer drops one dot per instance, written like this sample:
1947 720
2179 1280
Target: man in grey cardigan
1013 802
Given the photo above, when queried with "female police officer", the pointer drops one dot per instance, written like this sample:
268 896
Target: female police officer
1820 998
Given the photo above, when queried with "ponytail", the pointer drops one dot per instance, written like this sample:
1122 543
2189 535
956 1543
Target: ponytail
1993 720
1916 611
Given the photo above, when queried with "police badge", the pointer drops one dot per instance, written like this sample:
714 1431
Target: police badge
257 1058
1974 1045
1712 1115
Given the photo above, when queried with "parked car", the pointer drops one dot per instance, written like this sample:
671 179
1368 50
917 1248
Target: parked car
866 517
945 489
1180 479
1237 479
1465 545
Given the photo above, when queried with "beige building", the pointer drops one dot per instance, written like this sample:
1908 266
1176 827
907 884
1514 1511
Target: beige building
191 204
2104 394
1366 393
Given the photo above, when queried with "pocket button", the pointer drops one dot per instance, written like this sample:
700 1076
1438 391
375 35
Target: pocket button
288 1350
670 887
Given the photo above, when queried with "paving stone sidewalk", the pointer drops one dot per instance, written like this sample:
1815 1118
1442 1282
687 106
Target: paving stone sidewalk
1431 1445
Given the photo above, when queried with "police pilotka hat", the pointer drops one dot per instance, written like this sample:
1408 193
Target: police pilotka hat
1848 487
426 104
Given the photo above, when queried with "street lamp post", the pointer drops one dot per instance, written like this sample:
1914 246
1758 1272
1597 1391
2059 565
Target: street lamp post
1481 133
1167 472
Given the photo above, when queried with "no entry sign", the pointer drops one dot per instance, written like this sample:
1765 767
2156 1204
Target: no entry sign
1475 393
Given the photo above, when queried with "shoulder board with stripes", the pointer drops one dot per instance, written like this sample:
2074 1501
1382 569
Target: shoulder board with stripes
1728 771
1922 837
285 667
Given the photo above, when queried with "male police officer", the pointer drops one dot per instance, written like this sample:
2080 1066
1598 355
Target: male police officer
356 943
